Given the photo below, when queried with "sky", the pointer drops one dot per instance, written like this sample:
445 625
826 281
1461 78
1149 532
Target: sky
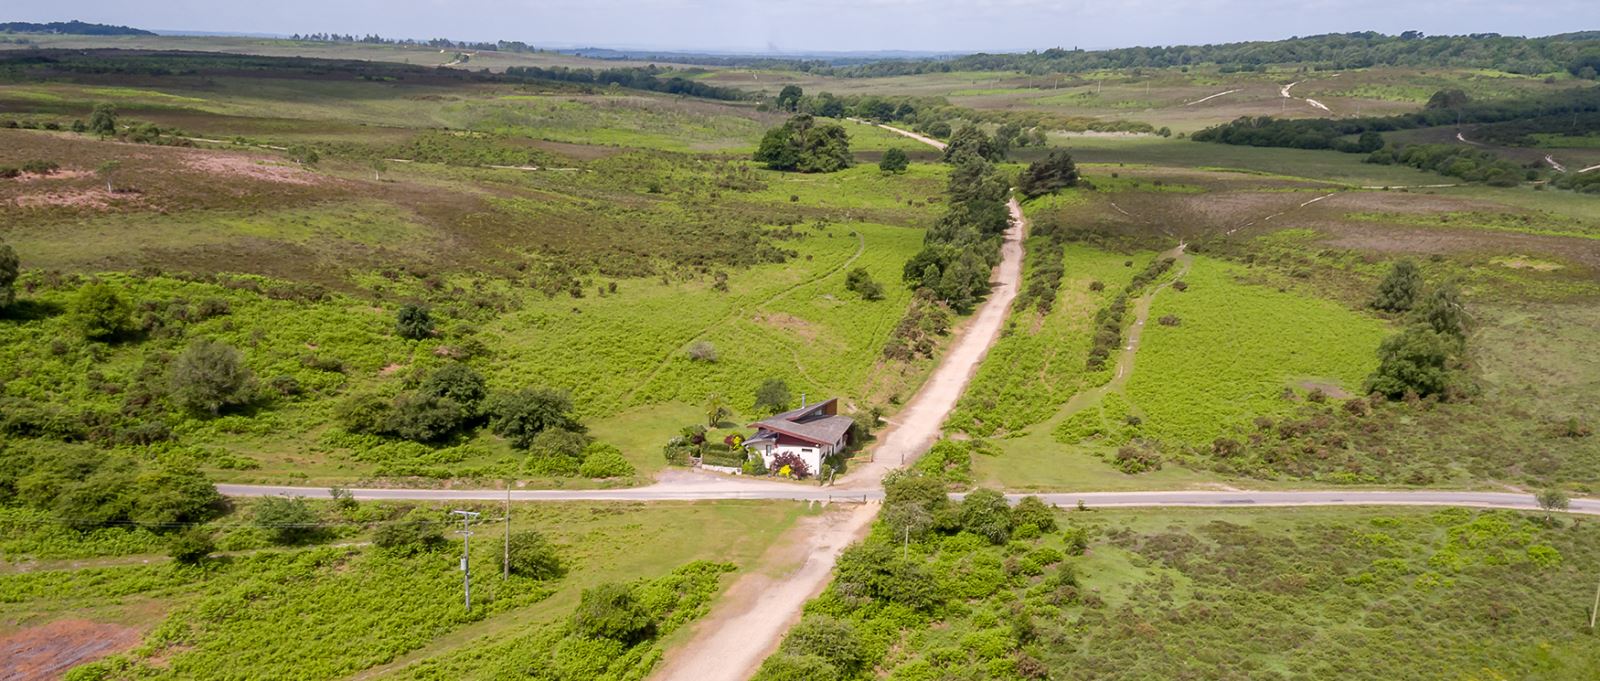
831 25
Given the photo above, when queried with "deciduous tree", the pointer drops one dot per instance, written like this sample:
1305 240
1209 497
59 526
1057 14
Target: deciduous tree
522 415
801 144
773 396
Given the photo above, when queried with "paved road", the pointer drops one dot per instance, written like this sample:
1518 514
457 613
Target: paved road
727 489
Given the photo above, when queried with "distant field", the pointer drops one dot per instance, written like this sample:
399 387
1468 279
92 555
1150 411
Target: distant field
416 55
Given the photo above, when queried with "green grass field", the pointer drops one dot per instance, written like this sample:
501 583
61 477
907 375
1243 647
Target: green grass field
1235 351
1244 594
642 232
199 621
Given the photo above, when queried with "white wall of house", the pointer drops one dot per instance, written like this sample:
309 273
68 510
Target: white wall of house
811 454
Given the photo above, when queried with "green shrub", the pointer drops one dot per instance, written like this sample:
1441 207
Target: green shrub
456 382
894 161
100 313
414 322
611 611
1033 511
191 546
425 418
522 415
414 534
787 666
984 512
831 639
533 556
287 520
210 375
1415 361
604 461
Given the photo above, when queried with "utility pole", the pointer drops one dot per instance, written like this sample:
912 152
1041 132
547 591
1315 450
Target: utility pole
506 561
466 540
1596 610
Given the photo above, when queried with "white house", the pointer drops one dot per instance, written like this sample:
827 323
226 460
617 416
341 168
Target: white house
812 432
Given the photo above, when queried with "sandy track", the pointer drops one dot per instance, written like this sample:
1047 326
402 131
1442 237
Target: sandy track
918 137
747 623
1209 97
751 618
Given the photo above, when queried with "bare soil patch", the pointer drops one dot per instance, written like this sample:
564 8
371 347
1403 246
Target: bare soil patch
58 175
91 199
1329 389
789 323
47 651
246 167
1519 262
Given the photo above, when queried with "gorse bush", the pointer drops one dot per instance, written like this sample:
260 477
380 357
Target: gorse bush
1054 172
611 611
100 313
534 557
1400 289
287 520
209 376
414 322
860 281
418 532
894 161
86 489
10 266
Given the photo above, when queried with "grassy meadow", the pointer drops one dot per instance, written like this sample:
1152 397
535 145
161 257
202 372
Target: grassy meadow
201 621
563 239
1247 594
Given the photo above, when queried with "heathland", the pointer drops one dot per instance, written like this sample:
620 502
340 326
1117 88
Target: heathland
335 263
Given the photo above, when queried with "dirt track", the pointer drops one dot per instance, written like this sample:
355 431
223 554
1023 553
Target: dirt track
748 622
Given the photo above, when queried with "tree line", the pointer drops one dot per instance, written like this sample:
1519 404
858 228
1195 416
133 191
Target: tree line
652 78
1447 107
70 28
1572 52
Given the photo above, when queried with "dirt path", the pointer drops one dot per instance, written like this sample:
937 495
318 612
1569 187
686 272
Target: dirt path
1585 170
1209 97
918 137
750 619
748 622
1312 102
